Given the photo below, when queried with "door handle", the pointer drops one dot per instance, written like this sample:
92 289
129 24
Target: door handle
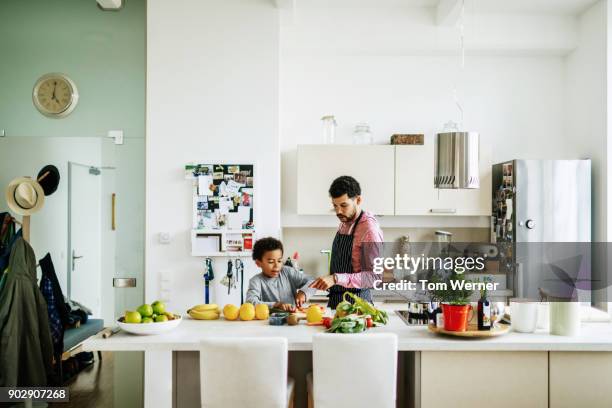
74 258
124 282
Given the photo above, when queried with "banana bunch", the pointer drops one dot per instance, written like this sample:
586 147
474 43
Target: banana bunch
204 312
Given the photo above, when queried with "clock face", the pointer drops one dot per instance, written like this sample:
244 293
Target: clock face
55 95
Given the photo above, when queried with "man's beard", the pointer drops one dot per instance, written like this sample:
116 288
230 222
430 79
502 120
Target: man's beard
347 219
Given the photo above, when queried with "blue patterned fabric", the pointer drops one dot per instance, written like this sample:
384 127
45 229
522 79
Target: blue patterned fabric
55 322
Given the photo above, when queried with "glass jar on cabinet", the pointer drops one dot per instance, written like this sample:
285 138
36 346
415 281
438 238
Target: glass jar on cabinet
329 129
362 134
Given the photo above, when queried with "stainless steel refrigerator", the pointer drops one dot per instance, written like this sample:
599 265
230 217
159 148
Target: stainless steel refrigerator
542 216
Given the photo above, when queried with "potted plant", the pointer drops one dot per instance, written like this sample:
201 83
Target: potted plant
455 301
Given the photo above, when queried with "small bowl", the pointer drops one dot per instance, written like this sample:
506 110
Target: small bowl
149 328
278 319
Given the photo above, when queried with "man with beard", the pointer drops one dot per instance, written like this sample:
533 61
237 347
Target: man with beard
358 229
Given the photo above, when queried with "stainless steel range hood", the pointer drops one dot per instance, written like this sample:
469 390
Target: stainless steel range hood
456 161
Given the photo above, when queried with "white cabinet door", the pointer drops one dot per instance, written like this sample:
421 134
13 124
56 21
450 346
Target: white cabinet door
415 193
371 165
414 179
465 379
475 202
580 379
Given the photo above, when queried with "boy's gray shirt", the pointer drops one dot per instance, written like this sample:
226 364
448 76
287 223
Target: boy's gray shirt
282 289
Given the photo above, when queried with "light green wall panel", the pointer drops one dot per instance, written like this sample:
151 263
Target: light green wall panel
103 52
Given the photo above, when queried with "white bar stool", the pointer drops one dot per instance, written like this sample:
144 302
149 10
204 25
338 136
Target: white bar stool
353 370
244 373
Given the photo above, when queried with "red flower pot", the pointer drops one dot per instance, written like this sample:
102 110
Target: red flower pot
456 317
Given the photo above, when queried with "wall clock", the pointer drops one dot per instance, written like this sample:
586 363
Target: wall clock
55 95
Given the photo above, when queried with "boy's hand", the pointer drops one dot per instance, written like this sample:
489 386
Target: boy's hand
284 306
300 299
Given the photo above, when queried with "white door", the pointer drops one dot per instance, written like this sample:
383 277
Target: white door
85 241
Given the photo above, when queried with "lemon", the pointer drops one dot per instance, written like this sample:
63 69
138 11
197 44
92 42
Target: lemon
262 312
314 314
247 311
230 312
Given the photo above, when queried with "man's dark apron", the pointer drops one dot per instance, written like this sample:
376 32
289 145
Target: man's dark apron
341 262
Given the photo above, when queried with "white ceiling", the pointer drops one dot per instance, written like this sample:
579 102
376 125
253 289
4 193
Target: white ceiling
556 7
551 7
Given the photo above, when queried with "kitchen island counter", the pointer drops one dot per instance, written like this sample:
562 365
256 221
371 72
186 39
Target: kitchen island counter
594 336
172 359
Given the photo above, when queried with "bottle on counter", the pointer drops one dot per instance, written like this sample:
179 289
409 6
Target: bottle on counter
437 318
295 260
440 319
484 312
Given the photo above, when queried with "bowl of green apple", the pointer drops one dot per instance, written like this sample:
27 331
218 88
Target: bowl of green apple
149 319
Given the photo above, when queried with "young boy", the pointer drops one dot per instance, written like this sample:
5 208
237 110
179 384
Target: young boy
277 285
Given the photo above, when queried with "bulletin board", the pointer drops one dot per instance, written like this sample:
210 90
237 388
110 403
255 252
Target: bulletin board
223 208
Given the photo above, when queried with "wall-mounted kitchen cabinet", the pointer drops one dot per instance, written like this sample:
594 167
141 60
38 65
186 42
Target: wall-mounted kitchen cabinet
319 165
395 180
415 193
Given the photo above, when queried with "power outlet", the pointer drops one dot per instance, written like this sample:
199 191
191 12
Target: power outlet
164 238
117 135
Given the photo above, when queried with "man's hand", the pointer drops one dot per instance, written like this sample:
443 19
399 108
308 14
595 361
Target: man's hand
284 306
300 298
324 282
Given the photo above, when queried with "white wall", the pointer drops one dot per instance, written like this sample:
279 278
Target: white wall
586 118
392 66
215 92
586 105
212 94
516 103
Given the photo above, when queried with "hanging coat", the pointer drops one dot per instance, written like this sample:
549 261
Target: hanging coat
26 350
8 236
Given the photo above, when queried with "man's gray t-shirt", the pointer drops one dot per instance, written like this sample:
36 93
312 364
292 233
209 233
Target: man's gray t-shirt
282 288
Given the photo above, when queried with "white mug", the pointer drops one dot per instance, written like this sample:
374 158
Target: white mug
524 314
565 318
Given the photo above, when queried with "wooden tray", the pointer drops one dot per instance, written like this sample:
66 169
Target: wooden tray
473 332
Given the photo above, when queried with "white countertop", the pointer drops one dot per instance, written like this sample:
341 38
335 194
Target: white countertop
594 336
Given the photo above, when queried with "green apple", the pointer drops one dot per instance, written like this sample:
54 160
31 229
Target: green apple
132 317
147 320
153 316
158 307
161 318
145 310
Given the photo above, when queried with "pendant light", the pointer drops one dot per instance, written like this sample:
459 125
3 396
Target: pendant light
457 152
